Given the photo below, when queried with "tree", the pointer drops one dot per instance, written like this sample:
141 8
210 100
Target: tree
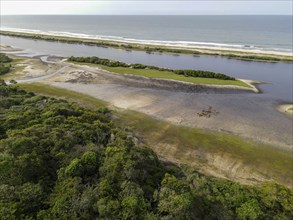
175 199
65 198
249 210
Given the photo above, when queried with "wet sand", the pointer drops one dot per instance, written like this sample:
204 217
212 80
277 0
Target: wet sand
252 118
239 112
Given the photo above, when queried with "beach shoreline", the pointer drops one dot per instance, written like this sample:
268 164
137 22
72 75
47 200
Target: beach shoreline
154 46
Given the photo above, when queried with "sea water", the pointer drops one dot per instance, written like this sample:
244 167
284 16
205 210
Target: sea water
268 33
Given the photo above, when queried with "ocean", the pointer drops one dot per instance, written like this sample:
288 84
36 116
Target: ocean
267 33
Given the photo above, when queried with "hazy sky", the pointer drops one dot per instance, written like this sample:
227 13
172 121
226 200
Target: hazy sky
148 7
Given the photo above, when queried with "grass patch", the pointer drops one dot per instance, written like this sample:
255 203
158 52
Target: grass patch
290 109
14 68
46 90
186 140
168 75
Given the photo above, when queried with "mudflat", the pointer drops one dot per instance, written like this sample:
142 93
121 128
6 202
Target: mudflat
245 115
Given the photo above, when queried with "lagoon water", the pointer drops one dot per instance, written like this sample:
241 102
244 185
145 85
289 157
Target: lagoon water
278 75
273 33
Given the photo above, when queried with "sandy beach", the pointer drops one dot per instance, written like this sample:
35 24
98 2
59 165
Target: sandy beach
178 47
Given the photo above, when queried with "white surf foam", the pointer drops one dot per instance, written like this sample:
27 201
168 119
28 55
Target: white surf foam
181 44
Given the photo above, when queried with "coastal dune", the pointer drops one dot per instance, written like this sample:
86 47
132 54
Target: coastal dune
234 51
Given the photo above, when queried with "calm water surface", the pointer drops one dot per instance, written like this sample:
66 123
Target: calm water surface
261 32
278 75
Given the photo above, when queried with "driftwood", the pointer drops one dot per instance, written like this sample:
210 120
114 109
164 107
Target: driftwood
208 112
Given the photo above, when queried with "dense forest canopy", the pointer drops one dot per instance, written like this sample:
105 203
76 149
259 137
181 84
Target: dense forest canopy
62 161
4 64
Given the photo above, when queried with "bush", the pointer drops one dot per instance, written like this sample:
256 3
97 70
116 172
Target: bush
4 69
190 73
12 81
4 58
203 74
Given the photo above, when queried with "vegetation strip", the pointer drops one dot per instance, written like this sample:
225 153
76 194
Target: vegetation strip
111 63
5 65
148 48
191 76
76 163
10 66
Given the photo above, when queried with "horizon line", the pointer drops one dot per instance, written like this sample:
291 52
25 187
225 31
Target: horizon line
154 14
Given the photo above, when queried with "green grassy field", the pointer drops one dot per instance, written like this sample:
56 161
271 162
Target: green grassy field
14 69
84 100
178 143
168 75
